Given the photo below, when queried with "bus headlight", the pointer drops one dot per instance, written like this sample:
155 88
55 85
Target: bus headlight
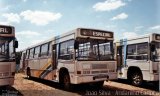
86 66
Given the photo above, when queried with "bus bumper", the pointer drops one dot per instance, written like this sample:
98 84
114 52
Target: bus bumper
94 78
6 81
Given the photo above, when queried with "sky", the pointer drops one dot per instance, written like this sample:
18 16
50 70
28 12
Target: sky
39 20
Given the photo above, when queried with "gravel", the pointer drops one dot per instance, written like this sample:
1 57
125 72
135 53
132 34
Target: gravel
36 87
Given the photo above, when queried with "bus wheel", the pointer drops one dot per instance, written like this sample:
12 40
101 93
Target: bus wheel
28 73
136 79
66 82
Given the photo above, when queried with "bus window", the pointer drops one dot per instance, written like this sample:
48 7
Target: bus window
0 50
66 50
3 48
50 49
131 49
37 51
27 54
131 52
44 50
31 53
138 51
105 51
142 51
6 50
90 49
11 49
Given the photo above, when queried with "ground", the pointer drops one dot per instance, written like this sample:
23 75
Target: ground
37 87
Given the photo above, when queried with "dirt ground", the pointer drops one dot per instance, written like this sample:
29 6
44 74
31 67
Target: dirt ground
37 87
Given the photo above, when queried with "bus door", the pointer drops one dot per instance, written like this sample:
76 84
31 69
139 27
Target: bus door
119 56
119 59
54 61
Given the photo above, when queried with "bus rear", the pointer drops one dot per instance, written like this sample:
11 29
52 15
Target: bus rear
8 44
94 56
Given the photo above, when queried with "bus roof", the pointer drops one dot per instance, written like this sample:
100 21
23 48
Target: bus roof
138 37
6 25
63 35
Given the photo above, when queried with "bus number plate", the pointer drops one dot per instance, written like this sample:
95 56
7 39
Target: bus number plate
100 76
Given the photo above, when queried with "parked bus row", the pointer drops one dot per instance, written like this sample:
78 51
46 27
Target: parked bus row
90 56
8 44
82 56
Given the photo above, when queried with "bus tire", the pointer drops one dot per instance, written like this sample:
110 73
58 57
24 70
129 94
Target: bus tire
136 79
28 73
66 82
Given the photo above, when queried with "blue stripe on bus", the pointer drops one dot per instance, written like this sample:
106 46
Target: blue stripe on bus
124 43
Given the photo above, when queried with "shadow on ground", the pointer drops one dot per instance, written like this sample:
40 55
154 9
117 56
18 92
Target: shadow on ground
9 91
87 90
147 85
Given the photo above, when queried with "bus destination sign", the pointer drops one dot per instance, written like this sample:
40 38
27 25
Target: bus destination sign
157 37
5 30
96 33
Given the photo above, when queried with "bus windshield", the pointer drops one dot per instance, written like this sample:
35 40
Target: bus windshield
94 50
156 53
6 49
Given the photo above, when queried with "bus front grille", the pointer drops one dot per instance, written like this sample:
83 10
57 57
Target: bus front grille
99 66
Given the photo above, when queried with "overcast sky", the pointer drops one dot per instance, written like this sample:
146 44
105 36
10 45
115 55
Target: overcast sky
38 20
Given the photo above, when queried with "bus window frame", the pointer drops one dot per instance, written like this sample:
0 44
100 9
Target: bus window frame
110 42
46 53
31 55
136 51
35 56
59 49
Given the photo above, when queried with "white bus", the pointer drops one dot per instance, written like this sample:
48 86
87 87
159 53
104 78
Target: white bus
138 58
80 56
8 44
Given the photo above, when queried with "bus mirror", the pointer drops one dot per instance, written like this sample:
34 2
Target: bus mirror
16 44
153 48
76 44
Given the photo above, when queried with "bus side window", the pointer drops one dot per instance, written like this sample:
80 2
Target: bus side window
31 53
138 51
44 50
131 52
37 52
142 51
66 50
0 50
49 49
27 54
